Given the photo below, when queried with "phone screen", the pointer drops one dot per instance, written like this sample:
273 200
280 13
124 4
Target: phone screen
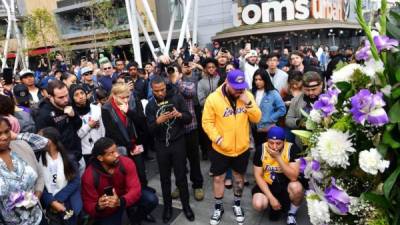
108 191
8 75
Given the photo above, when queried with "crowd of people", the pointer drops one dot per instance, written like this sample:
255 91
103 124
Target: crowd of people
74 140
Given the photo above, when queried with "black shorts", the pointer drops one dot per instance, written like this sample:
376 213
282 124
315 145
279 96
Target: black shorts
279 191
221 163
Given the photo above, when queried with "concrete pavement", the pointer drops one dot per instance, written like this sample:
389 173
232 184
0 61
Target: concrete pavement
203 209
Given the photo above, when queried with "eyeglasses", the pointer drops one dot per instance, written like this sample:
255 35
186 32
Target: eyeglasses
107 68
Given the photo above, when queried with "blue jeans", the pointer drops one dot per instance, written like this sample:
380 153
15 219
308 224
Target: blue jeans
147 203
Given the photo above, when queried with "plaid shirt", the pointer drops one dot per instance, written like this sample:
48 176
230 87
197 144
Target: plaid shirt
188 91
36 141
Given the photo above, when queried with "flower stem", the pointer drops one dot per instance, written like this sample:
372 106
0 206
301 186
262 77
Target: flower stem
366 28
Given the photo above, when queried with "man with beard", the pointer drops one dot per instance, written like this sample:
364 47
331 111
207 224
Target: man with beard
166 116
249 66
57 112
312 88
226 117
111 185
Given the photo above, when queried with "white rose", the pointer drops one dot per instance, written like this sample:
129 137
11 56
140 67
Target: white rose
345 73
371 67
371 161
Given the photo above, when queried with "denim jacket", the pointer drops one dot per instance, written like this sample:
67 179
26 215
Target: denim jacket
272 108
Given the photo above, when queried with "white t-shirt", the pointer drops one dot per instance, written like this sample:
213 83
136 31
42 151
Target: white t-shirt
259 96
35 96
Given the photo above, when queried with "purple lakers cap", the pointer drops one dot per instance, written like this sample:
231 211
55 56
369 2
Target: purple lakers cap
237 80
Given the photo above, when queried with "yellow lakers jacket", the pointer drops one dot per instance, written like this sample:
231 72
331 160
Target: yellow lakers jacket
221 122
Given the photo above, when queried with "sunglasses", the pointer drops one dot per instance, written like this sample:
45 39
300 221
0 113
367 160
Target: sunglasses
107 68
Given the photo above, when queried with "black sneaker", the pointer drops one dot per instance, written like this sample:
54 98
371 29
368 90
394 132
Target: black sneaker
291 219
216 216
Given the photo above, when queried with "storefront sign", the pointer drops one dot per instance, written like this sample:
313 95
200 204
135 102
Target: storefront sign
276 11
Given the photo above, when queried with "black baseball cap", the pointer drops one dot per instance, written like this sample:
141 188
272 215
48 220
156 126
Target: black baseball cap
21 93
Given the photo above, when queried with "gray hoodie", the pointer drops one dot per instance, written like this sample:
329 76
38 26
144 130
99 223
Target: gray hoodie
205 87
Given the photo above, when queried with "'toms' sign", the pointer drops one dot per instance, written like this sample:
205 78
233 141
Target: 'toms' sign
276 11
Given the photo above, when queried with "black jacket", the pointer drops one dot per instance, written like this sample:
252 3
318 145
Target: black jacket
141 88
332 65
50 116
117 131
154 109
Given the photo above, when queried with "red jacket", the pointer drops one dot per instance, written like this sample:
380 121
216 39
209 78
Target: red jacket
125 182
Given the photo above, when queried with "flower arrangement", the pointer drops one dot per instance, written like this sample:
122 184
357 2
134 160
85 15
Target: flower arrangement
23 199
353 134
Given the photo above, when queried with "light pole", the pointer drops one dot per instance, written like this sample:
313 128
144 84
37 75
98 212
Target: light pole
331 33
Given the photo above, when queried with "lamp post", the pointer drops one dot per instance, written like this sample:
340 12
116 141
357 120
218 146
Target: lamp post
331 33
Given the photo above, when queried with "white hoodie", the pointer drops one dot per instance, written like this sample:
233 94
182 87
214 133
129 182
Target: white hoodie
89 135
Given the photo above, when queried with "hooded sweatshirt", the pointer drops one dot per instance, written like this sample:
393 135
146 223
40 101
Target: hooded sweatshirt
86 113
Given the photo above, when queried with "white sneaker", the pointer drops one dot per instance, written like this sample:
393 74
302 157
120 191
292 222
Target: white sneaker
239 214
216 216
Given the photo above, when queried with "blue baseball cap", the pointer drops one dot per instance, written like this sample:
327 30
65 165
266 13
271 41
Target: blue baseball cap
236 80
276 133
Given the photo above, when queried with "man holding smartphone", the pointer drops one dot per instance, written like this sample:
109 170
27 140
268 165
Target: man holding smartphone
110 185
166 115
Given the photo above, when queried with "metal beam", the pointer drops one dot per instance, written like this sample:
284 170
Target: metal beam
184 24
133 28
153 24
146 35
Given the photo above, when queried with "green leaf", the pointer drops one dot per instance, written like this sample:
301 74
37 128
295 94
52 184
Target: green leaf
396 93
378 200
343 86
390 182
394 113
393 30
398 75
388 139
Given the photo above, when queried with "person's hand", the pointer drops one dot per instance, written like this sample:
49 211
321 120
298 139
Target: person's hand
57 206
163 118
244 98
164 59
113 201
124 107
275 204
138 149
93 123
103 202
69 111
175 114
130 85
273 153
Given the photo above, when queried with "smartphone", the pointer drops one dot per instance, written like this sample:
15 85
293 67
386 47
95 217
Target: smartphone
8 75
247 46
169 108
108 191
127 79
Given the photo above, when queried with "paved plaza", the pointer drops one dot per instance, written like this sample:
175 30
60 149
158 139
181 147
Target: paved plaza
203 209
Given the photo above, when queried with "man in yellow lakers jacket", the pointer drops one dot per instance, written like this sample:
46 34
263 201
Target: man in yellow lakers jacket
226 117
276 173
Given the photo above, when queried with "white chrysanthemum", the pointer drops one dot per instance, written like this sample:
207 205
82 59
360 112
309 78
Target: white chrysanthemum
387 90
371 161
318 212
345 73
371 67
315 116
333 147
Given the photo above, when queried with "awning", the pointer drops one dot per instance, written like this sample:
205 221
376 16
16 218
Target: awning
284 26
39 51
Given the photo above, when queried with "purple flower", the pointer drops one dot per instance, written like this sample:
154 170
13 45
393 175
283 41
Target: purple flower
385 43
337 197
315 166
326 102
303 164
14 199
366 106
365 52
